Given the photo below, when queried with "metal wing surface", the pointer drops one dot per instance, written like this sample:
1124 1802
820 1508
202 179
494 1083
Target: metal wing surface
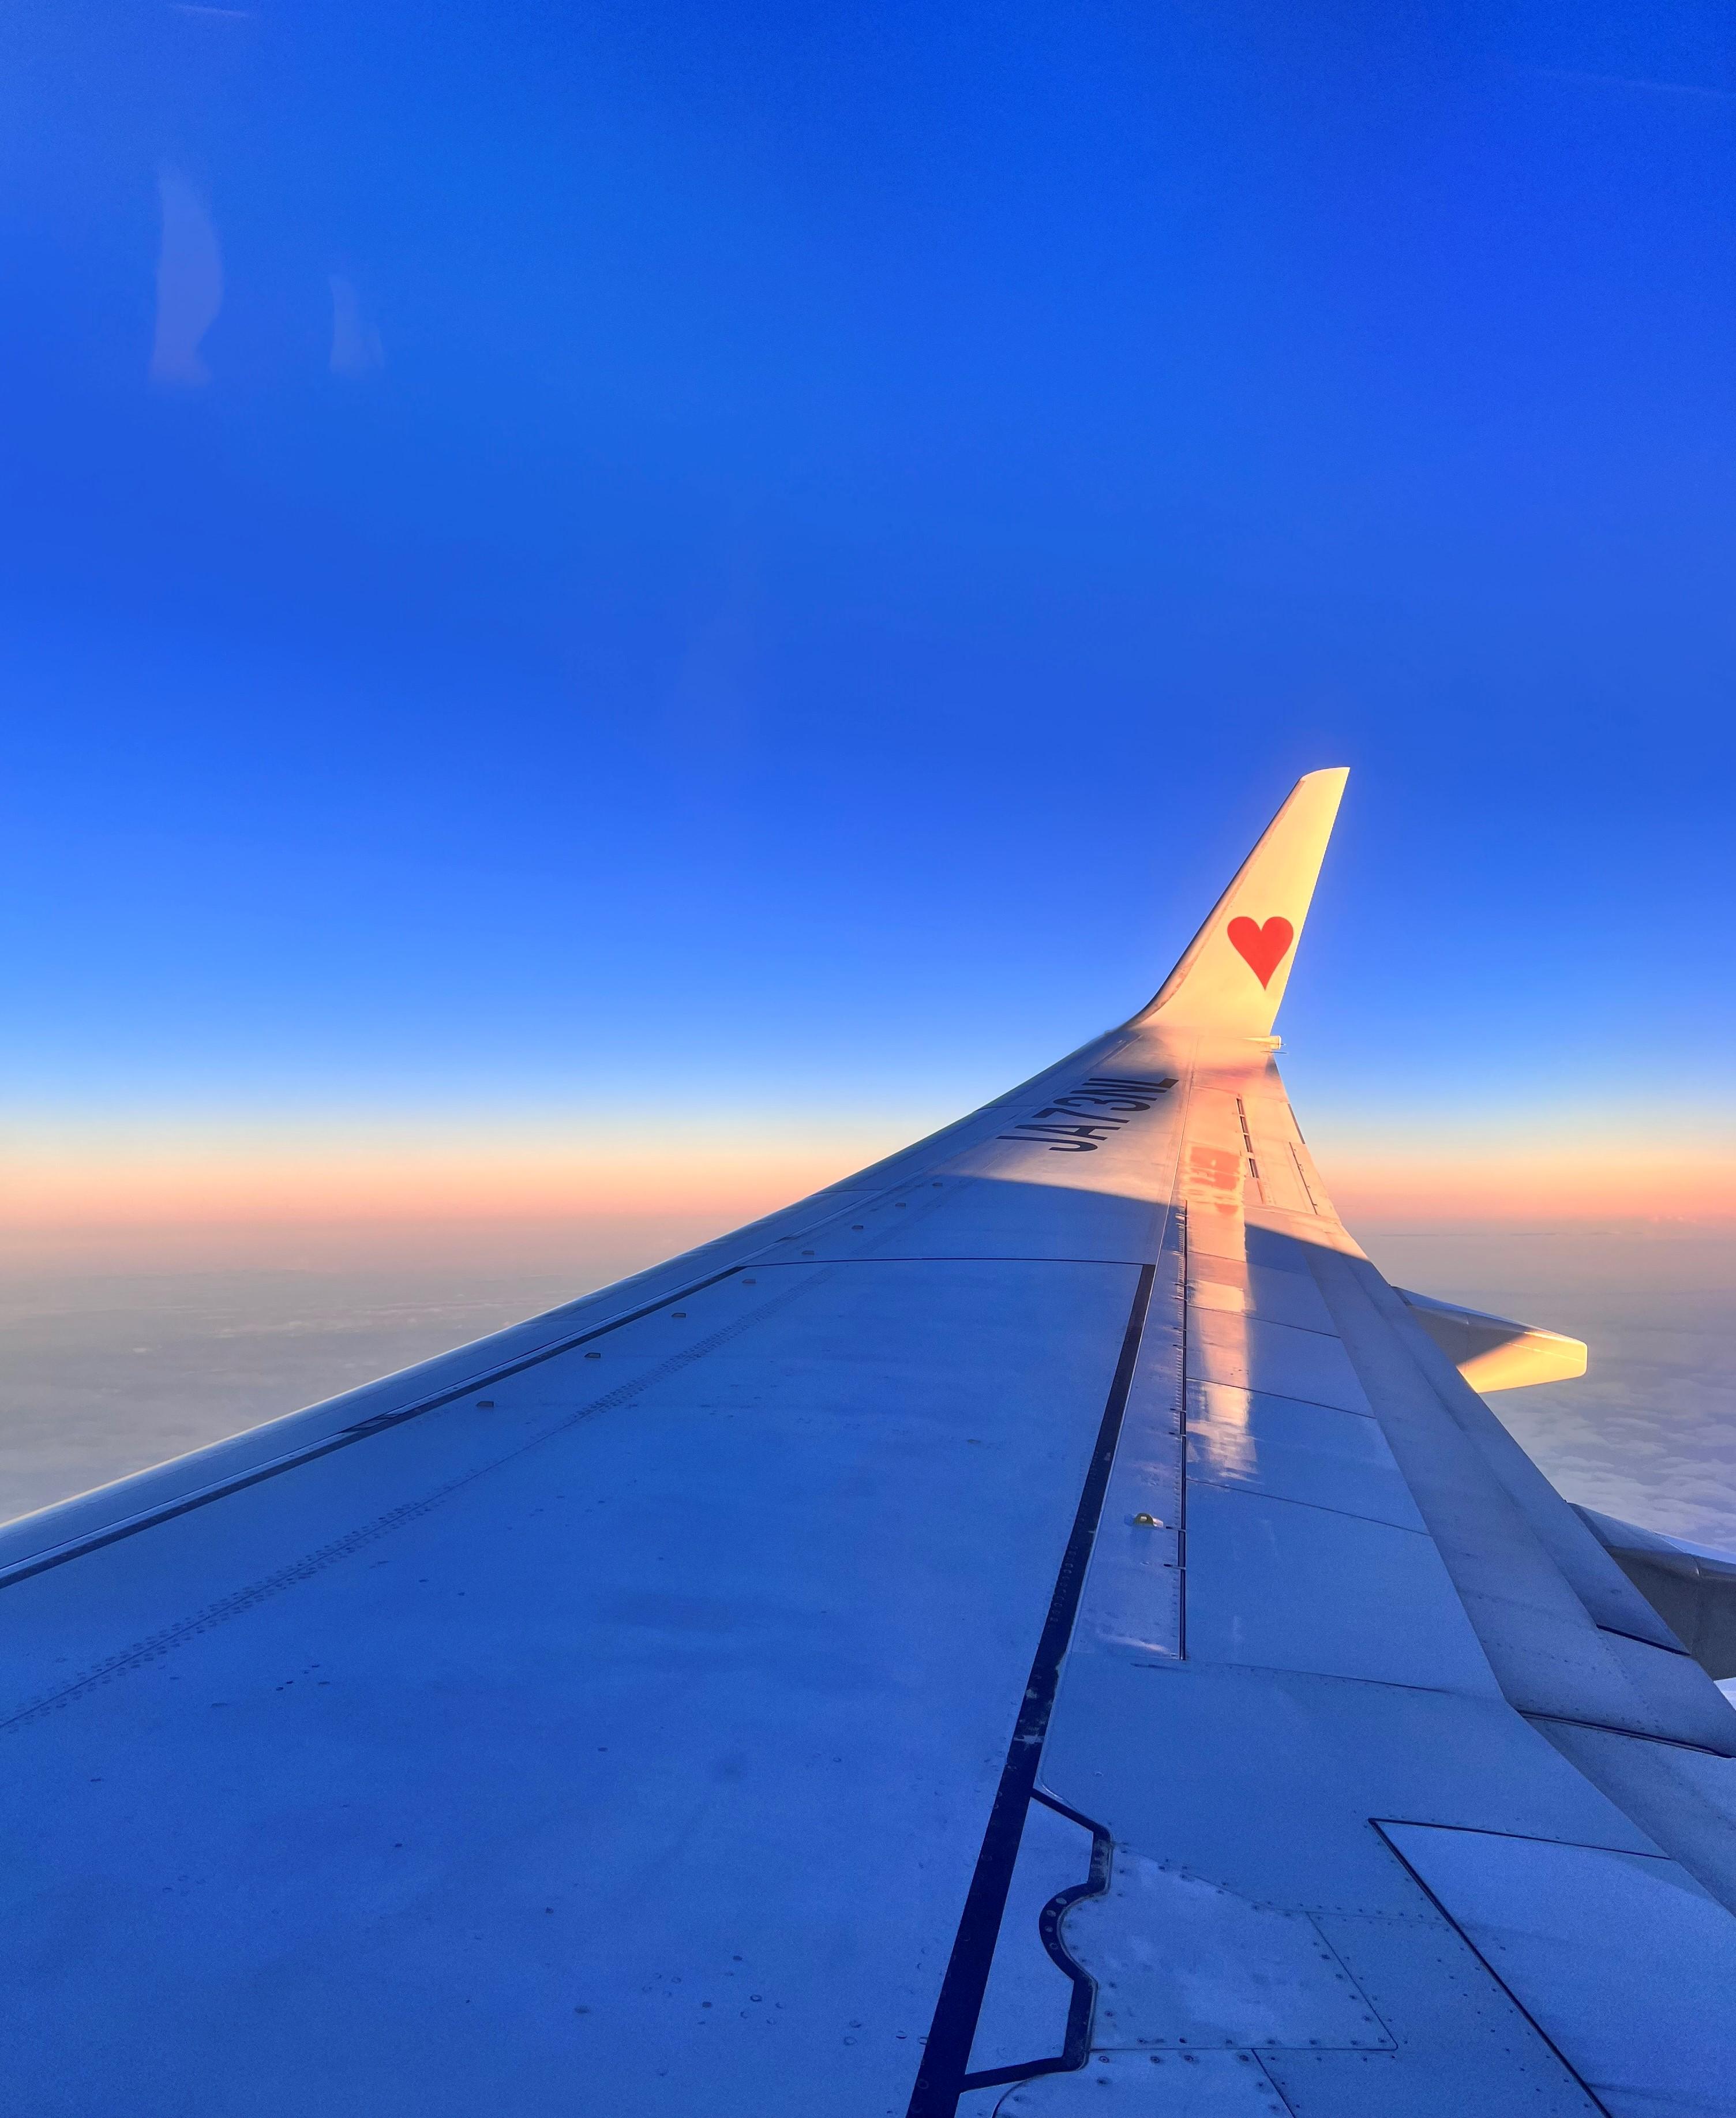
1042 1626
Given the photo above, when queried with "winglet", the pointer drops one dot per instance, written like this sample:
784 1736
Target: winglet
1233 973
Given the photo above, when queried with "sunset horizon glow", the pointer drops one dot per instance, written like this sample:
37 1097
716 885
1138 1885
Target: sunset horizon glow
183 1187
562 706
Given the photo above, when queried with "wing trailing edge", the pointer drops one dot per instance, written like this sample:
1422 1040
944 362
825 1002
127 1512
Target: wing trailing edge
1232 976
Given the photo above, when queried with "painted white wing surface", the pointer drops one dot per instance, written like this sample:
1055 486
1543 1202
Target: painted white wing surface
1042 1626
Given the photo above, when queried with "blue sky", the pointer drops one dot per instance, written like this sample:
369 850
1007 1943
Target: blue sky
756 567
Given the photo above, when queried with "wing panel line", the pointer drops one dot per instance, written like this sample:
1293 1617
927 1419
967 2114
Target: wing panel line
946 2054
381 1422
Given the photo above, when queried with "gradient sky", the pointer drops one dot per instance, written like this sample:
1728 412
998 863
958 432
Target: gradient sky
620 606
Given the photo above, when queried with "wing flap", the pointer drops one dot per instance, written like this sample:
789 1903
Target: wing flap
1692 1589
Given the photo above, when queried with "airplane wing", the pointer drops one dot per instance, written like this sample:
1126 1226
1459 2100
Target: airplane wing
1040 1627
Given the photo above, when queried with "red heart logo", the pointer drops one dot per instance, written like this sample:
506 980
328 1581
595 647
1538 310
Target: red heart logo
1262 949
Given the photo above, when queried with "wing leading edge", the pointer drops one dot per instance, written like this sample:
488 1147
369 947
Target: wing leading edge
1041 1620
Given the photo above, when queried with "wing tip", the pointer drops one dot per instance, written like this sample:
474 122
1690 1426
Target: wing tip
1234 985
